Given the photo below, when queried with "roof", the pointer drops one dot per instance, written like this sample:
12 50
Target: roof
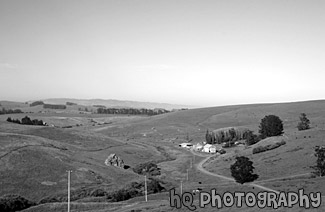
186 144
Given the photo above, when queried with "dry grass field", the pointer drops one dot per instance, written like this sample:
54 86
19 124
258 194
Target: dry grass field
34 159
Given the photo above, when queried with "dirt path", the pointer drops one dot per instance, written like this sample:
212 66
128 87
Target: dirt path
199 167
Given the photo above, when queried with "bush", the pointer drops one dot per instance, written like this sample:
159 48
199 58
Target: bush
149 168
75 195
319 168
304 122
137 189
11 203
268 147
270 125
124 194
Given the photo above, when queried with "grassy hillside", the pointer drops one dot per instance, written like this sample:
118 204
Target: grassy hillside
34 159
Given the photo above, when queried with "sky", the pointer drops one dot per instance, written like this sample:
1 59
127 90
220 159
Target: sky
190 52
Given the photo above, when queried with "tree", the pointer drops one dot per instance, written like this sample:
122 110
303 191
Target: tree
208 137
271 125
251 138
242 170
320 163
26 120
304 122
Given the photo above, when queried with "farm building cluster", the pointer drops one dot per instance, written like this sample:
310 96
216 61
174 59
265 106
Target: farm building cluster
203 147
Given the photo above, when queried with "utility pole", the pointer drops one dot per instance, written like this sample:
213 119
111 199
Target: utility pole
145 187
187 174
69 176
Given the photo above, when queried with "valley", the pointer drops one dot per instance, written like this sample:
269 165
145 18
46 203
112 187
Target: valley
35 159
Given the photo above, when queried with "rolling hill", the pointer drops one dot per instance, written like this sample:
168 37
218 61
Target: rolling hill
34 159
116 103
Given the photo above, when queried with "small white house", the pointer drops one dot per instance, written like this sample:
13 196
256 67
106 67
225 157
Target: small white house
213 149
207 147
186 145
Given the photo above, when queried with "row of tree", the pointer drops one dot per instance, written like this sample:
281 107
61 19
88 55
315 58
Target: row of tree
36 103
229 135
50 106
131 111
27 121
270 125
10 111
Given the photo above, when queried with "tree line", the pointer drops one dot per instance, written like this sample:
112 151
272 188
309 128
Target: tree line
10 111
50 106
131 111
26 121
270 125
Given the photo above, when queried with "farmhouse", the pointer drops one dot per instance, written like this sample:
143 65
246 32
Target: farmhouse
213 149
206 148
209 148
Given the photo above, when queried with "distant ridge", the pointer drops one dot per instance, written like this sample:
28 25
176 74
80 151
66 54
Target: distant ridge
115 103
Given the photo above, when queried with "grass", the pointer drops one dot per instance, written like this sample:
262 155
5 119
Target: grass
39 170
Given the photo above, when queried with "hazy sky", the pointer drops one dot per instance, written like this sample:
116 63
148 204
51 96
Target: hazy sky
175 51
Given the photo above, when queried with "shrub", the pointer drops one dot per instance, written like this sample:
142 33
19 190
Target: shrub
304 122
124 194
149 168
270 125
319 168
268 147
10 203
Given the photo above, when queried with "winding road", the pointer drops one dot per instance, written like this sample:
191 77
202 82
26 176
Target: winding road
199 166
